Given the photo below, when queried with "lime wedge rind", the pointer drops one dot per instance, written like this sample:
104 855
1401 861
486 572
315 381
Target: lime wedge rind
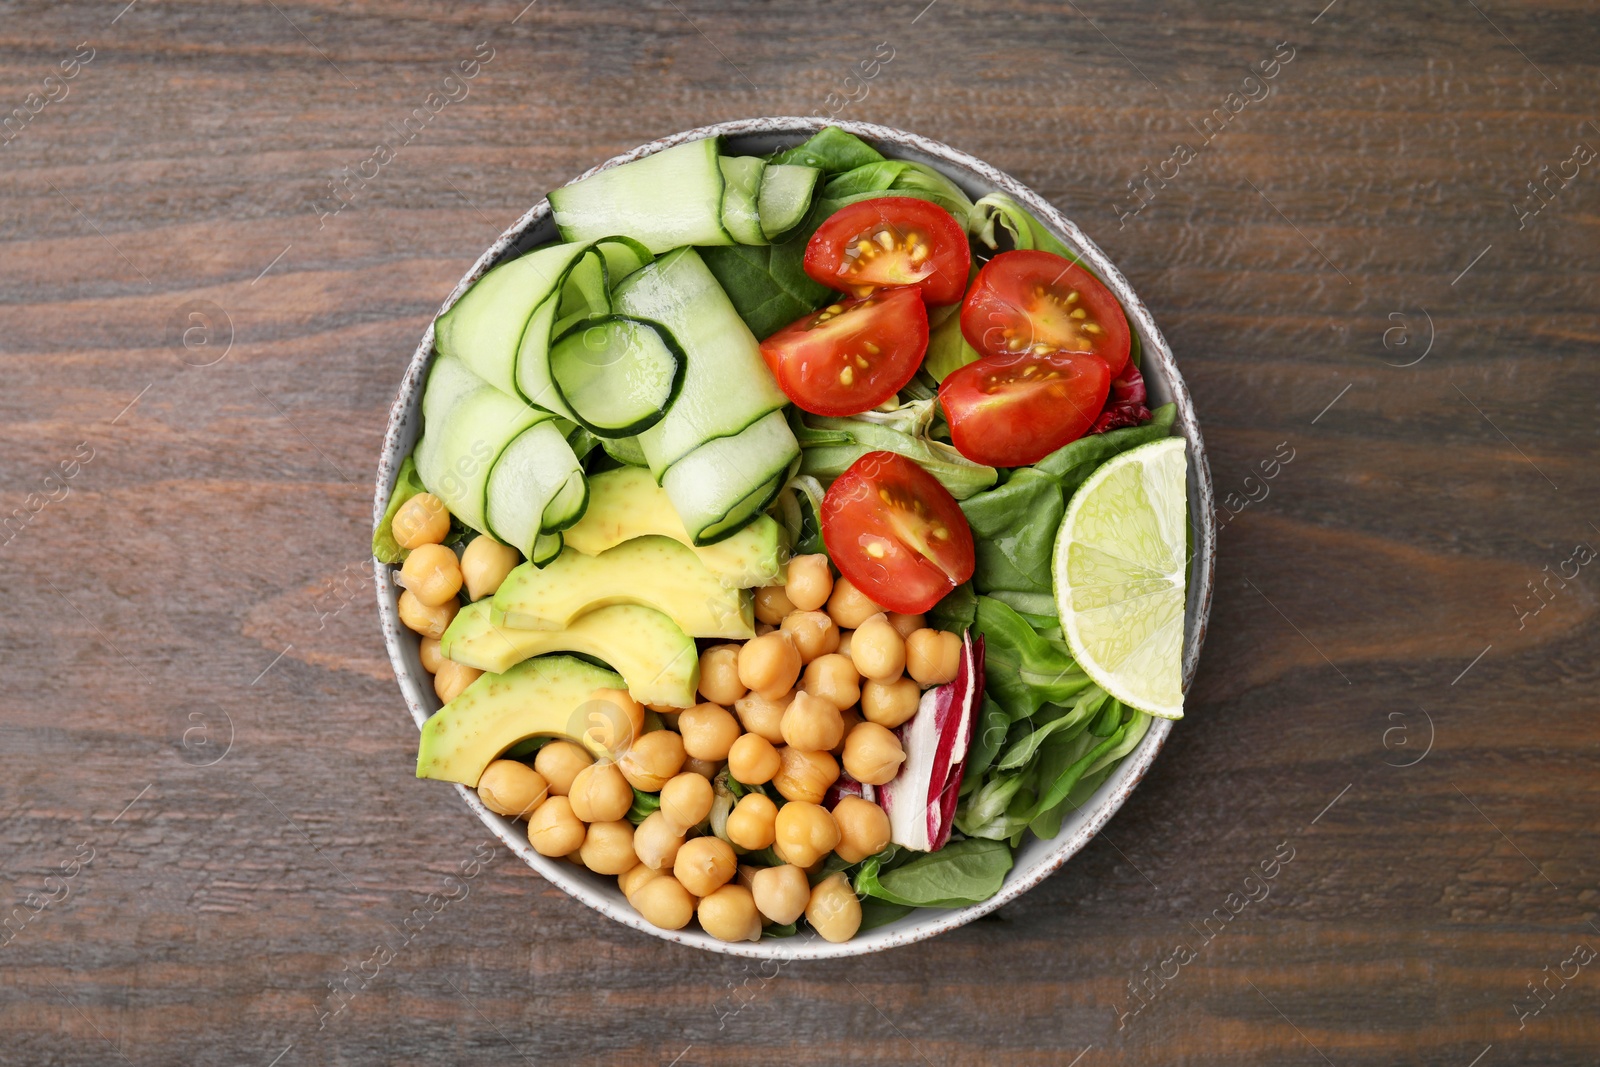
1119 573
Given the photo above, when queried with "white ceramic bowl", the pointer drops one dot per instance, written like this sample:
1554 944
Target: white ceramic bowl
1034 859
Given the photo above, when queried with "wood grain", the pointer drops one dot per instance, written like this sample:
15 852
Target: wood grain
193 684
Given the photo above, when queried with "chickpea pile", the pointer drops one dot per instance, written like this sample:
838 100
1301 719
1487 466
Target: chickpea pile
816 694
432 579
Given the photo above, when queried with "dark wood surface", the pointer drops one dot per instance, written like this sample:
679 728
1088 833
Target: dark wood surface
193 686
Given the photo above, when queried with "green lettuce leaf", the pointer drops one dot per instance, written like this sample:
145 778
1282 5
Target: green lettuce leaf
1014 528
407 484
1022 670
832 151
961 873
829 446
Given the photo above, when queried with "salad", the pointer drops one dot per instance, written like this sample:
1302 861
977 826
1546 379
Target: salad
790 539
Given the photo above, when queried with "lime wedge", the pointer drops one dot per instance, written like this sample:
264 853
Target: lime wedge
1119 576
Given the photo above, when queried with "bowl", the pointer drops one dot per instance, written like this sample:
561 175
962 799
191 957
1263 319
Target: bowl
1035 859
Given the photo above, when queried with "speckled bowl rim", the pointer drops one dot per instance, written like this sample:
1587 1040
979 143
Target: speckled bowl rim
1045 857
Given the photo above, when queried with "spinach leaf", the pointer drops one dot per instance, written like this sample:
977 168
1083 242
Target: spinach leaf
876 913
832 151
961 873
407 484
767 284
1072 464
957 611
895 177
1014 527
1039 609
786 930
1022 670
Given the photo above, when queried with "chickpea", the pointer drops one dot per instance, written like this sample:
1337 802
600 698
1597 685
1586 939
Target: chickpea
615 721
431 656
844 642
729 914
752 822
656 842
810 582
805 776
553 830
452 678
664 902
705 768
600 793
560 762
769 664
812 724
422 520
636 876
686 801
781 893
485 563
805 833
425 620
764 628
704 864
849 606
653 760
892 704
814 633
507 787
872 754
834 911
933 657
835 679
851 718
719 675
708 731
906 625
772 604
753 760
763 716
863 829
878 651
608 847
432 573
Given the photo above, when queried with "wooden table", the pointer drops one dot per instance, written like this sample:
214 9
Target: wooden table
204 762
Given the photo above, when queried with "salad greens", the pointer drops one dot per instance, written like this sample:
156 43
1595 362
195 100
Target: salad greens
961 873
407 484
829 446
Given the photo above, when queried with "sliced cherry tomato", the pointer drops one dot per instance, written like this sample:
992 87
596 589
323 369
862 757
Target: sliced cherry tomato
896 533
1032 301
1012 411
889 242
850 356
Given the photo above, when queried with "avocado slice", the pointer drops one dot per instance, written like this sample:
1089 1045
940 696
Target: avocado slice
626 503
534 698
657 659
656 572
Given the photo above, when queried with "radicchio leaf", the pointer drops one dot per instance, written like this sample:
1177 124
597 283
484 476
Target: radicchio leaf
921 800
1126 405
